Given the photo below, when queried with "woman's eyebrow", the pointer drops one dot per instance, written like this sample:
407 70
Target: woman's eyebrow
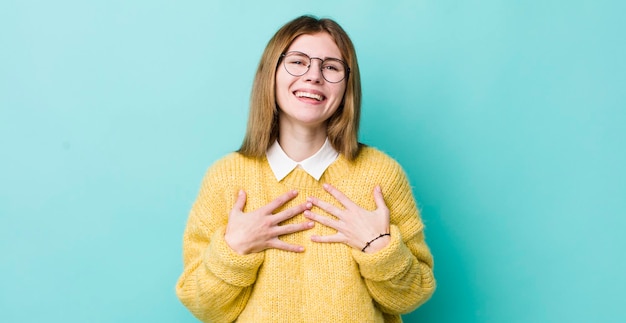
307 54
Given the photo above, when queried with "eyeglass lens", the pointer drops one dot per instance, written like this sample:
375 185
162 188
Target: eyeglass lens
297 64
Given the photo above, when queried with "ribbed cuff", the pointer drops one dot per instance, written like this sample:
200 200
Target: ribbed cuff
387 262
228 265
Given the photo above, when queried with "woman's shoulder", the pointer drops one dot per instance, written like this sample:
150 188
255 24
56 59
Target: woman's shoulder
234 162
374 157
373 163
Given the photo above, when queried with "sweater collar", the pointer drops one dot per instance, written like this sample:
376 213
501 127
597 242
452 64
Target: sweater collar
315 165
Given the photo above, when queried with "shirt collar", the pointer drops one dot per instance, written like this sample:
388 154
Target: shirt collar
315 165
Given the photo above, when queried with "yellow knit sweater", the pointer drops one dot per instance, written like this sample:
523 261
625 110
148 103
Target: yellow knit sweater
328 282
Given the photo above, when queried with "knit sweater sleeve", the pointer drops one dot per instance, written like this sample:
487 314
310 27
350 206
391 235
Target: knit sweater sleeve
400 276
216 281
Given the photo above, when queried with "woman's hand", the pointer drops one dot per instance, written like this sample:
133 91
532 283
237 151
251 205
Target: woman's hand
259 230
355 226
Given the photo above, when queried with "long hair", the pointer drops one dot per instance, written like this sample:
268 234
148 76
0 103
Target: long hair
342 126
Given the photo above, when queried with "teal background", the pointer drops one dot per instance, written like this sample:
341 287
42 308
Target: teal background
508 117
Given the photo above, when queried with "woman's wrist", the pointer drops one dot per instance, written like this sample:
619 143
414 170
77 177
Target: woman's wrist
377 243
236 247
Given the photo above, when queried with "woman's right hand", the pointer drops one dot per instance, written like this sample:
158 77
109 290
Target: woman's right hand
259 230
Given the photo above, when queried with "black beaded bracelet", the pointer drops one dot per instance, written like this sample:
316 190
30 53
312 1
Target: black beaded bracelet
380 236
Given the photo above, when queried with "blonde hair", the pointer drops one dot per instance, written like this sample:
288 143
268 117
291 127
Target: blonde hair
343 125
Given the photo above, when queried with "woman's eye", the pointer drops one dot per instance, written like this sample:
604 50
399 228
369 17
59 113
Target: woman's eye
332 67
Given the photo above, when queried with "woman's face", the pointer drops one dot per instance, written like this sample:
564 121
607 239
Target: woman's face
309 100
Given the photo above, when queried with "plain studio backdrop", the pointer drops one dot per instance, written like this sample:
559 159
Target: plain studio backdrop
508 116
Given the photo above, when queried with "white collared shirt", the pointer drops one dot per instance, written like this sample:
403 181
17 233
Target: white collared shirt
315 165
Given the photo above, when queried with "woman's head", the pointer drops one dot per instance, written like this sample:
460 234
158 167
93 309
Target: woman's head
342 124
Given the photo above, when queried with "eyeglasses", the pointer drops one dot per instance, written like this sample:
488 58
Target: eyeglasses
333 70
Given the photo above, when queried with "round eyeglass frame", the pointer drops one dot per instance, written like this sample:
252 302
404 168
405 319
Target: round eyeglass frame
347 68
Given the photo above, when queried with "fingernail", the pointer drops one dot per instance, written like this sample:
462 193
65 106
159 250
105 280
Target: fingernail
326 186
310 224
240 192
309 205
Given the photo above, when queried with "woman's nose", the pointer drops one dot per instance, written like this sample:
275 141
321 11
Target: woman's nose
314 74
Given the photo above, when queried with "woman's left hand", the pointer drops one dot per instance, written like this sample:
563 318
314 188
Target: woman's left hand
355 226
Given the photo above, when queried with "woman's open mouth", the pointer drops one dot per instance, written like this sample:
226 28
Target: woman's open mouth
315 96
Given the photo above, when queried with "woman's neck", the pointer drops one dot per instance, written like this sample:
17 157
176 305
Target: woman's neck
301 143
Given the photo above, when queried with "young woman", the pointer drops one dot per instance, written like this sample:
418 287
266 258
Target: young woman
303 223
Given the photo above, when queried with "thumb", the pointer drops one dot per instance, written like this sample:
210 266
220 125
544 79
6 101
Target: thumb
378 198
241 201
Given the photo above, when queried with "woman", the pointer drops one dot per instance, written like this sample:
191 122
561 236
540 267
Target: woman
303 223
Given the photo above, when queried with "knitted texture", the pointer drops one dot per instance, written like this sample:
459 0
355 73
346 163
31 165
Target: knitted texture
328 282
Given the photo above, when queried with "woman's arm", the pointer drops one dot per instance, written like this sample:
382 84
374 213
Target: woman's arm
397 268
216 281
219 273
399 277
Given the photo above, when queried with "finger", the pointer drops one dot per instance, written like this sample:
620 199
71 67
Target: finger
292 228
331 238
290 212
322 219
241 201
379 199
278 202
337 194
282 245
326 206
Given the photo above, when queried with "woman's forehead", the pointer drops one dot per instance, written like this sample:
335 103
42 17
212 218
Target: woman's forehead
319 45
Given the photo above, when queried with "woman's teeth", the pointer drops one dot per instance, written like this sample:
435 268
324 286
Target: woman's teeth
317 97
